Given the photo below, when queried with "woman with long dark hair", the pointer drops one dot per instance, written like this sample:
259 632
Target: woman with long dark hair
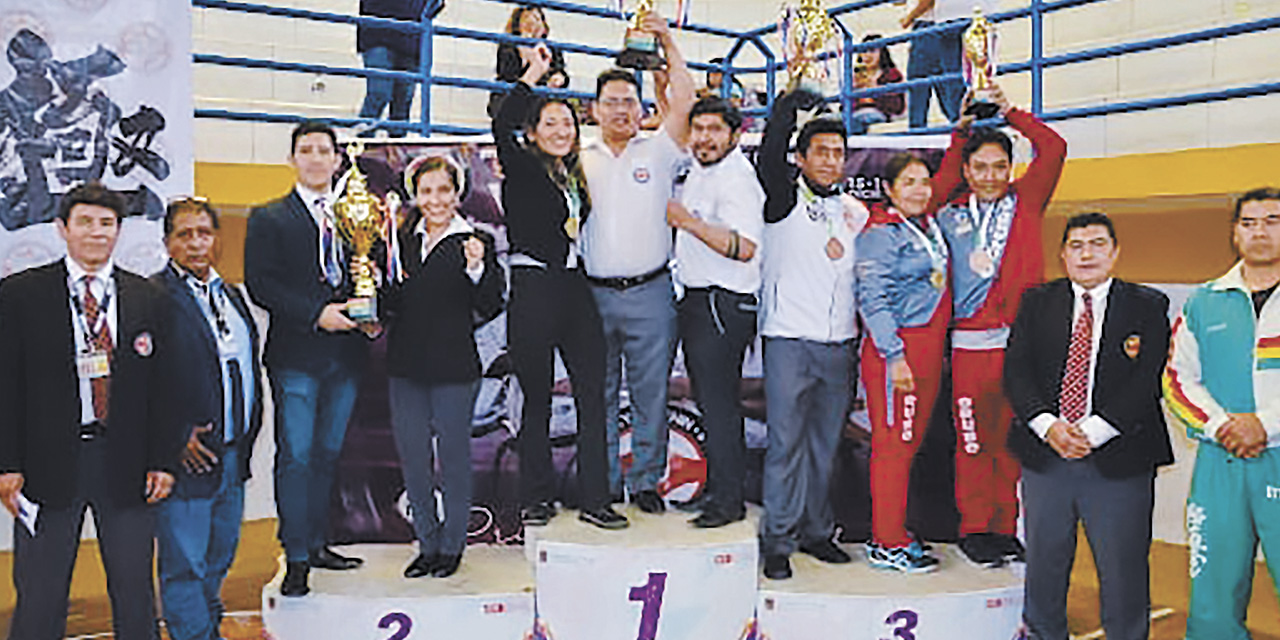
449 277
545 200
905 304
875 68
527 22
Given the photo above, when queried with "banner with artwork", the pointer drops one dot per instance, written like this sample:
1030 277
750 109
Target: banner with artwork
92 90
370 504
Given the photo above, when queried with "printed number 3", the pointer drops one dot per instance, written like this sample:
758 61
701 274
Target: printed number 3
651 595
403 623
909 620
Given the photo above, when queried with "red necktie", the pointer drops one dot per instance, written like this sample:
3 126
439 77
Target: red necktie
1075 380
100 341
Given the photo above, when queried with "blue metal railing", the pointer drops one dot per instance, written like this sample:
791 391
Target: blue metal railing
426 80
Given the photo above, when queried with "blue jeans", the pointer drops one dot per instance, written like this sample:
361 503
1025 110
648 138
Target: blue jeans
197 541
640 333
311 414
380 91
866 118
931 55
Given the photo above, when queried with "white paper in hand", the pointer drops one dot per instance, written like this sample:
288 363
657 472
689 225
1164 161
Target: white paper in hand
27 513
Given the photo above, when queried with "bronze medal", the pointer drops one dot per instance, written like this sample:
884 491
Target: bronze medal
835 250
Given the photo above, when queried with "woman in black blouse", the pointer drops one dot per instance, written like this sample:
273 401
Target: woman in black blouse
545 200
527 22
450 279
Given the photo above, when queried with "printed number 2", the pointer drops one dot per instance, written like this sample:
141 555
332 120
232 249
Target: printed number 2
402 621
909 620
651 595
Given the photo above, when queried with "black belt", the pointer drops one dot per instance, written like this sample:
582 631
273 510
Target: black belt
629 281
92 431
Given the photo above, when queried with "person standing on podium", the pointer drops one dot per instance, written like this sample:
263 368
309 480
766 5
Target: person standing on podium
83 395
217 400
294 268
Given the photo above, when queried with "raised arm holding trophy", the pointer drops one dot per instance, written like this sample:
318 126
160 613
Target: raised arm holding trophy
640 49
807 31
980 66
362 219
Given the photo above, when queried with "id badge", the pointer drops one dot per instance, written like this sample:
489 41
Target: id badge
94 364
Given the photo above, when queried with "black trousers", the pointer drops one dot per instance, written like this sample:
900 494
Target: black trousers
716 327
553 309
42 564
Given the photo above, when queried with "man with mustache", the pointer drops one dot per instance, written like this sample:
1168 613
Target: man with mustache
719 218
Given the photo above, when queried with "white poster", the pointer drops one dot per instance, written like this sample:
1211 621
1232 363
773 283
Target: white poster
651 593
92 90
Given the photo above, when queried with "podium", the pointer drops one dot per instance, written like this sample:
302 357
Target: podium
491 596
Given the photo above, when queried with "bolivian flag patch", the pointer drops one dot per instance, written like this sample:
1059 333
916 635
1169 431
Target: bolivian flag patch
1268 355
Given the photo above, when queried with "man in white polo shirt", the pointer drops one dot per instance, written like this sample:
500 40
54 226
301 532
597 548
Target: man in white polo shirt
720 218
626 248
809 306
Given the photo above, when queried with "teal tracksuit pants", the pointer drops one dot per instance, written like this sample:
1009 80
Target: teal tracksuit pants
1234 504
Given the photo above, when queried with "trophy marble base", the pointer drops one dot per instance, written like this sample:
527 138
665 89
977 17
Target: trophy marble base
362 309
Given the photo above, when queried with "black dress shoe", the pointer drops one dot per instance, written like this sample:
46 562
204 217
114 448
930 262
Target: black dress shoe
604 517
295 580
649 501
693 505
826 551
326 558
422 565
777 567
714 518
447 566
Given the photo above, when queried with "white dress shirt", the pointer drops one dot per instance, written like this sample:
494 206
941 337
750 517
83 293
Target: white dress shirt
725 194
626 234
1095 428
104 289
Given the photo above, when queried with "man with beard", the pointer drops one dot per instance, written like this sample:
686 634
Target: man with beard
719 218
626 249
1221 383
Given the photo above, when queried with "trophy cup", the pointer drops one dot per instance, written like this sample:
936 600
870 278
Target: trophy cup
979 65
806 32
361 218
640 49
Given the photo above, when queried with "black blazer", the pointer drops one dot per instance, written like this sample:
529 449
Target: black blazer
40 393
432 315
1126 388
197 379
282 273
535 206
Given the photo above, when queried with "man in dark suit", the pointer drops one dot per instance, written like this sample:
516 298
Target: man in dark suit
82 388
1083 375
217 403
296 268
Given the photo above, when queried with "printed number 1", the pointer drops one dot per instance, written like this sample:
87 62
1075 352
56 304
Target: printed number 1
403 625
651 595
909 620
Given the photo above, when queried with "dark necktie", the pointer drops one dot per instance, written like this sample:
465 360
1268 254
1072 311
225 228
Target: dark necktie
100 340
1075 379
236 390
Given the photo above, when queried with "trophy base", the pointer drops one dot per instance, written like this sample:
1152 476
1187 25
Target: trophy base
982 110
363 310
640 60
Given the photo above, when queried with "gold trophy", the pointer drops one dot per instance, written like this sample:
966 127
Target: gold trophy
640 49
979 65
807 30
361 218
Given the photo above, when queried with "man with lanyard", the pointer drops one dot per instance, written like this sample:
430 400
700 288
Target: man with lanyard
993 228
626 247
1222 382
809 306
217 398
719 218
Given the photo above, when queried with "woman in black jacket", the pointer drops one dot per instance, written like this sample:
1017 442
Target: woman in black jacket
527 22
450 278
546 201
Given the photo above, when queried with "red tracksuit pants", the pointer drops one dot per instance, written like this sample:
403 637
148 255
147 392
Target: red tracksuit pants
894 445
986 473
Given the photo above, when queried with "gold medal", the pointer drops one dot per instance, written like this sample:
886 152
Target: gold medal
981 263
835 250
938 279
571 228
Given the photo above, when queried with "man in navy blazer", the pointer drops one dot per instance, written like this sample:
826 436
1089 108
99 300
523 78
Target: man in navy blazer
296 267
217 404
1082 372
83 421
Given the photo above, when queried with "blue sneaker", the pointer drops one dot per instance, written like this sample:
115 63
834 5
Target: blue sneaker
901 559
